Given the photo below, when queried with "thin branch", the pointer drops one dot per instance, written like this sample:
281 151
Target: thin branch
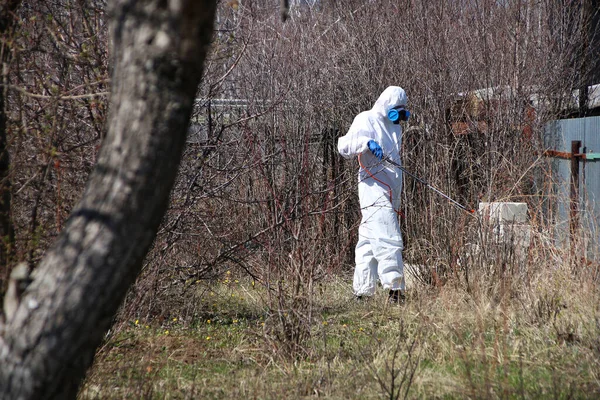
41 96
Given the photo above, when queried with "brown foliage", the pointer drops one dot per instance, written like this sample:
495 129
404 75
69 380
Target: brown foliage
261 187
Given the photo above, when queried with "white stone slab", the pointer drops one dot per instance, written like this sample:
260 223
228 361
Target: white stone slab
518 235
504 212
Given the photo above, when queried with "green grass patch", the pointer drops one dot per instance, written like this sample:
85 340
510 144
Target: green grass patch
443 344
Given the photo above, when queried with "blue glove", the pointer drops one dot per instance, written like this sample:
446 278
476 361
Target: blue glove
375 149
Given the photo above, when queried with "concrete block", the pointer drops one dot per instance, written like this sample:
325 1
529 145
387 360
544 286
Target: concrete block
517 235
504 212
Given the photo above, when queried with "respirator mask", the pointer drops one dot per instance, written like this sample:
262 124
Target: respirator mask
397 114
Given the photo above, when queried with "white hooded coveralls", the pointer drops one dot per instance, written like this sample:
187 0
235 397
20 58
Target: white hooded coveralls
379 247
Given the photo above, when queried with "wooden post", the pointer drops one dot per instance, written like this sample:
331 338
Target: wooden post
574 193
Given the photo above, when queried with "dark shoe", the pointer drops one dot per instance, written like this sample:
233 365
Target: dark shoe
359 298
396 297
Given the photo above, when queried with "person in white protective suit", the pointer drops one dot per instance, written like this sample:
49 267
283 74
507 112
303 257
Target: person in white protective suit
373 135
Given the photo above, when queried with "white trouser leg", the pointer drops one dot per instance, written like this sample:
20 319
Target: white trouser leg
365 272
379 241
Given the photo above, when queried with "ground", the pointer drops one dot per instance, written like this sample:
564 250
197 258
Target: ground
543 342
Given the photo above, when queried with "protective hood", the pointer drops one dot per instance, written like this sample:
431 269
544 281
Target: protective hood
391 97
375 125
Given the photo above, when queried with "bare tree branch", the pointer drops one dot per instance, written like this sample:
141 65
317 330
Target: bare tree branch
50 340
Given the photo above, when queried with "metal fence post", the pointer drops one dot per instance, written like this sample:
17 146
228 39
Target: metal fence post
574 195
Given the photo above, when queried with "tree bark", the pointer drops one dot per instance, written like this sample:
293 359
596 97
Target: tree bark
49 342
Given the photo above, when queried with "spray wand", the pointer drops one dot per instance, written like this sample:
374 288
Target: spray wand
422 181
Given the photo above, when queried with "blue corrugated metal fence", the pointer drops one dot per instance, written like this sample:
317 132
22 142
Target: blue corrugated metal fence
558 136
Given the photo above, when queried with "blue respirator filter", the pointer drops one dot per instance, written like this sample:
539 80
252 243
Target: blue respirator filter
397 115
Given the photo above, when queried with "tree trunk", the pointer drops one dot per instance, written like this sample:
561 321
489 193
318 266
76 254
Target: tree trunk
49 342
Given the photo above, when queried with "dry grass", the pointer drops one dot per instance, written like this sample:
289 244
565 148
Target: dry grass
540 340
